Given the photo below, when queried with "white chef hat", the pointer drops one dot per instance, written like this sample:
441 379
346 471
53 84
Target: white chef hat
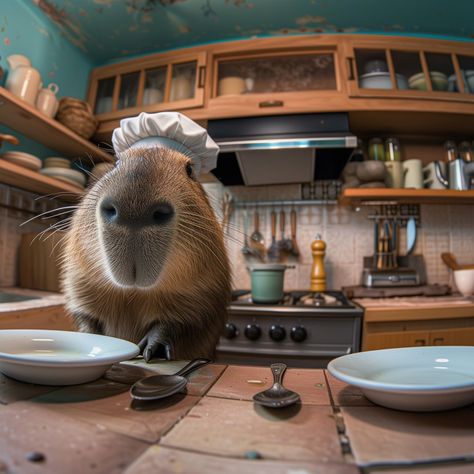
168 130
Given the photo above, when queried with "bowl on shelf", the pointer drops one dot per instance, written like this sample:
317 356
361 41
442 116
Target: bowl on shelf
20 158
439 81
381 80
469 80
56 162
464 280
70 176
375 65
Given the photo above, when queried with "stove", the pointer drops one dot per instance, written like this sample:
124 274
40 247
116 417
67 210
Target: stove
304 330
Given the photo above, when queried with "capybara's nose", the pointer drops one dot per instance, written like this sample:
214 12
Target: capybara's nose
114 212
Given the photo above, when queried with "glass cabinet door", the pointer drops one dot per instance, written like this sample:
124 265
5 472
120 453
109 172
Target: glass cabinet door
105 94
128 90
183 81
408 68
373 70
295 73
442 74
466 64
155 82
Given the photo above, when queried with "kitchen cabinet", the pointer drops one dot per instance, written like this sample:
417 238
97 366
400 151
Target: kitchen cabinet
417 322
167 81
410 69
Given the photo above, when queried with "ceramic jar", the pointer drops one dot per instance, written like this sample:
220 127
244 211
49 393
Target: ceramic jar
23 80
46 102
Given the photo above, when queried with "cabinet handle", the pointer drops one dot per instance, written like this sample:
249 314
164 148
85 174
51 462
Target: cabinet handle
271 103
420 342
202 76
350 68
437 341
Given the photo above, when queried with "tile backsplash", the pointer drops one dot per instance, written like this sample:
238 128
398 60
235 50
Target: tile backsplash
347 233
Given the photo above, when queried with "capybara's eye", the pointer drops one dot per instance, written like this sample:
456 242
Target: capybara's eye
189 170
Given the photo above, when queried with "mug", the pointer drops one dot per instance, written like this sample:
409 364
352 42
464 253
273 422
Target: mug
46 101
430 180
394 177
412 174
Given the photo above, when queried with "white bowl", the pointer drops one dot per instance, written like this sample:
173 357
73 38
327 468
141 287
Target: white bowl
464 280
381 80
428 378
73 175
23 159
60 357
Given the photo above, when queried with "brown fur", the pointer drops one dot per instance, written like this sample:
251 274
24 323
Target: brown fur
191 293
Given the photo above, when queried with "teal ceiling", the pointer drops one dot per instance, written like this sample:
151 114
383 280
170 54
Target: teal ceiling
112 29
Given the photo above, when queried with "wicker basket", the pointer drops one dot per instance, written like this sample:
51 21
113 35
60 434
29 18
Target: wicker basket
77 115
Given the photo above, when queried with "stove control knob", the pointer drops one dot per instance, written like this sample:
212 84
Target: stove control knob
277 333
298 334
252 332
230 331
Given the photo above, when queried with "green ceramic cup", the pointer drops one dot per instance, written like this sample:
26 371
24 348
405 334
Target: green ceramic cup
267 281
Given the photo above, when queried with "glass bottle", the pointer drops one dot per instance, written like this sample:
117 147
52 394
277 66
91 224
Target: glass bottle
392 149
376 151
465 151
451 150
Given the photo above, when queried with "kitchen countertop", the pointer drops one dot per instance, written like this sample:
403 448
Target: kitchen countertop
215 427
44 300
409 302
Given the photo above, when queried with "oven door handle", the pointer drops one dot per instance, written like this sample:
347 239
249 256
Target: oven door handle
280 352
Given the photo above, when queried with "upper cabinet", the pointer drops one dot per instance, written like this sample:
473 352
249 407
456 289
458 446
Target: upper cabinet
276 77
150 84
410 69
386 84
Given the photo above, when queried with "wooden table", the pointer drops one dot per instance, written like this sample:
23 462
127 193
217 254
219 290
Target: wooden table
216 428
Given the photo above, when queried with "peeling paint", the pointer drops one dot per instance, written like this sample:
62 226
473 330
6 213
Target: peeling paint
308 19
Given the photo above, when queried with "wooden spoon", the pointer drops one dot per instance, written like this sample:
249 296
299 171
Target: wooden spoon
450 260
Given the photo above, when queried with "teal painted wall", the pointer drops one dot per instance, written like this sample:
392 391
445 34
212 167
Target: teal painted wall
25 30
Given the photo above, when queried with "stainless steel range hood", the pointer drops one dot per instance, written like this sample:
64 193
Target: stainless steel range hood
281 149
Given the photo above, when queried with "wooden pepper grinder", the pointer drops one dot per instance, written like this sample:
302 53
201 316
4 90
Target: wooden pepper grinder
318 273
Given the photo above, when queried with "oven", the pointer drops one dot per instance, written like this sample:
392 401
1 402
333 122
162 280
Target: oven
304 330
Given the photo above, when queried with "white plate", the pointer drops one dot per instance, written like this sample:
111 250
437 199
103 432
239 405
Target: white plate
56 172
59 357
428 378
23 159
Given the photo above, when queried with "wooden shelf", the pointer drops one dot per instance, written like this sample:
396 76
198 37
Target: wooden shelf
358 196
35 182
26 119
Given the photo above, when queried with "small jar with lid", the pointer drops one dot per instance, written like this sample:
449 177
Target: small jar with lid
465 151
376 151
392 149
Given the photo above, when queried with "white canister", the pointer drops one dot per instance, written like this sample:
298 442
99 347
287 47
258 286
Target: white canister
412 174
430 180
394 176
47 102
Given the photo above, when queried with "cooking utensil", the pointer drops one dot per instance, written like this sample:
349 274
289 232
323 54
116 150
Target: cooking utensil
295 251
267 282
464 279
257 242
411 378
156 387
9 139
284 244
277 396
273 250
411 235
246 250
450 260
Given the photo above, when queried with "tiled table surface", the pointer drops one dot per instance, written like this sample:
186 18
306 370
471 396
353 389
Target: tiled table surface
216 428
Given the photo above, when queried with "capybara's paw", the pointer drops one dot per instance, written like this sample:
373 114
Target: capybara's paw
153 346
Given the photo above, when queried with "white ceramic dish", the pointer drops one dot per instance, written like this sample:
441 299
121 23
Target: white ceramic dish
430 378
23 159
59 357
381 80
464 280
72 175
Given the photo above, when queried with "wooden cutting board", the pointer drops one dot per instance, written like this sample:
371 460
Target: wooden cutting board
39 261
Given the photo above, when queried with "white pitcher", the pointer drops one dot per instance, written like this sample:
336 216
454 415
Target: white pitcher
23 80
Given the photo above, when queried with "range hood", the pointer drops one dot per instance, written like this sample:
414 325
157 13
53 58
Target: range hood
281 149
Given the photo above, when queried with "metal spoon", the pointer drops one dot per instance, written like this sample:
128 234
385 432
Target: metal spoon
277 396
156 387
